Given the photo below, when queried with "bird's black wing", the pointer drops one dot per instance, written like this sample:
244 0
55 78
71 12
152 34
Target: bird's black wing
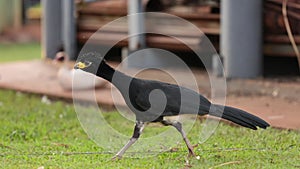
187 101
175 100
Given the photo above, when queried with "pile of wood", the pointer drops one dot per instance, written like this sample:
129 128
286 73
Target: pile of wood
96 15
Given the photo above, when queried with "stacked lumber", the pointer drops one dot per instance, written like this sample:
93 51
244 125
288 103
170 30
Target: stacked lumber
94 17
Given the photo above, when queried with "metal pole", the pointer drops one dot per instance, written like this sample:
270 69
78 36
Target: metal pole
136 25
69 28
2 15
136 40
241 38
17 14
51 28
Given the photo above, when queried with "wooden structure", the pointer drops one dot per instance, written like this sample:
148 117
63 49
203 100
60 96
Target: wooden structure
92 16
276 39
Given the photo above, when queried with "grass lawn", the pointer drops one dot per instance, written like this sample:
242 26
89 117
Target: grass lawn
14 52
35 134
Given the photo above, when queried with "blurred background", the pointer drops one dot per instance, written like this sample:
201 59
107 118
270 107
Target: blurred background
21 25
250 37
256 40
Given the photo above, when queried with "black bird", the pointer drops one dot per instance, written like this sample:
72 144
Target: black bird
149 107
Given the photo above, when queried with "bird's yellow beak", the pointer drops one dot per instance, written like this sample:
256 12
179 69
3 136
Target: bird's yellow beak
80 65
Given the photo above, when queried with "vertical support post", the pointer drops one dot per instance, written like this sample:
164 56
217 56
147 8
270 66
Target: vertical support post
17 14
136 25
136 29
51 28
69 28
241 38
4 14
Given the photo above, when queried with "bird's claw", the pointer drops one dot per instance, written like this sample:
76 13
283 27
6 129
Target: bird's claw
116 157
191 154
191 151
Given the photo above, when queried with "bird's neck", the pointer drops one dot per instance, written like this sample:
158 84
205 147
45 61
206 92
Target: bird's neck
105 71
110 74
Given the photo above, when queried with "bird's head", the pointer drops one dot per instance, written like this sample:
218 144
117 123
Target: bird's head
89 62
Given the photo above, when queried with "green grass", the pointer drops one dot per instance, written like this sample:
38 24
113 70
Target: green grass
17 52
34 134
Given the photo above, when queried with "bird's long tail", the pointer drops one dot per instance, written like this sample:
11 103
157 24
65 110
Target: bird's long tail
238 116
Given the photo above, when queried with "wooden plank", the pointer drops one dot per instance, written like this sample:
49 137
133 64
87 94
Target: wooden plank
171 43
292 14
156 41
171 30
102 38
103 11
280 39
82 27
105 7
168 30
195 16
279 50
295 5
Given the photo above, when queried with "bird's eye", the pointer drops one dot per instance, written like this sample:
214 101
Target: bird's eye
82 64
87 63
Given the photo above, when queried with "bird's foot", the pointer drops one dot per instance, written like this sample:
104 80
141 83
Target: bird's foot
116 157
195 145
191 151
191 154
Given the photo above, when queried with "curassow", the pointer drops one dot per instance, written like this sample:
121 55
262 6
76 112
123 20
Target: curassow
137 94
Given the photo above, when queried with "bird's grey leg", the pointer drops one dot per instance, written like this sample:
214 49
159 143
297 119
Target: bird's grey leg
178 126
138 129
